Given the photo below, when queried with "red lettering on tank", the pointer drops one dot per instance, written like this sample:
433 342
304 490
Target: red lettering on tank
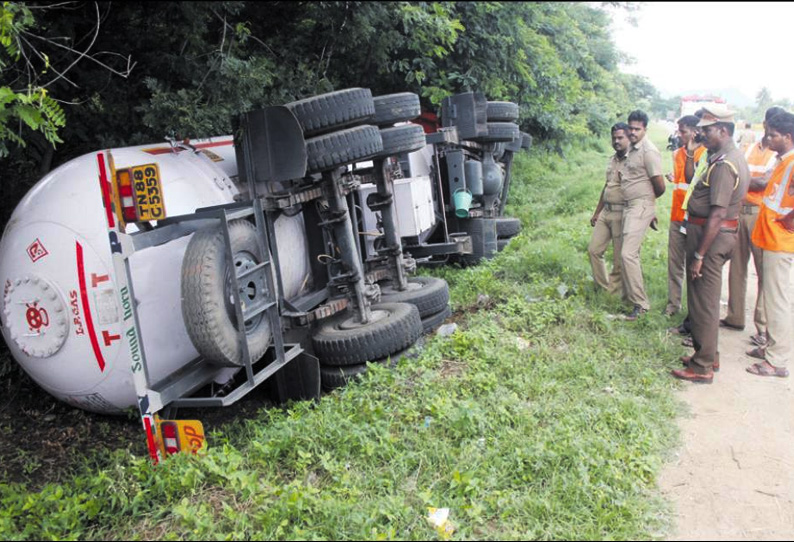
74 303
109 338
97 279
89 321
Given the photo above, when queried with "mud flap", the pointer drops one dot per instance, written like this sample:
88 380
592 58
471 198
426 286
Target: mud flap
298 380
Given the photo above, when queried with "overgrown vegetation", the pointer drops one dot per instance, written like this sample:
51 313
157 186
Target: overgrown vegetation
541 417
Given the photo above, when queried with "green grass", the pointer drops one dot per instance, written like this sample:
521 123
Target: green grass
542 417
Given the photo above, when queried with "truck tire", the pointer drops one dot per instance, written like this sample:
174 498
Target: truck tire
340 341
207 308
429 294
499 131
501 111
329 112
434 320
337 377
336 149
507 227
400 139
392 108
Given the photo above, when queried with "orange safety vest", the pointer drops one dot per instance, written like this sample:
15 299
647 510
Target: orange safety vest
680 186
769 234
760 162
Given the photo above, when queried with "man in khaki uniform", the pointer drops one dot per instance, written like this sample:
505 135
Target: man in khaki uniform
712 228
607 219
641 183
761 160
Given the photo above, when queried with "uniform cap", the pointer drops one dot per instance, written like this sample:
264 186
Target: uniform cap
712 114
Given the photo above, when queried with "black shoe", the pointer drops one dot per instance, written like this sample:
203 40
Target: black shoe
636 313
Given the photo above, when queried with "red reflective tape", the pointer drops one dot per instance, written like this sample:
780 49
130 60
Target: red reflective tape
89 322
103 182
166 150
147 424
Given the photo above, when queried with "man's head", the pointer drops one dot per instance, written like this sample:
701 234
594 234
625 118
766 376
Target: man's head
780 132
687 128
638 123
771 112
747 125
620 138
717 126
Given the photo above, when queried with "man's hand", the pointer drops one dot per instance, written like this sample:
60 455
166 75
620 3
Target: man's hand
593 220
655 224
669 177
694 269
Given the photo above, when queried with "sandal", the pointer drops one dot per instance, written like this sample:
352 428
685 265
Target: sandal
767 369
757 353
759 339
687 341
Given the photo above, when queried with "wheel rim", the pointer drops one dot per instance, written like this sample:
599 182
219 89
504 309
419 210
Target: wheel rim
250 291
353 322
410 287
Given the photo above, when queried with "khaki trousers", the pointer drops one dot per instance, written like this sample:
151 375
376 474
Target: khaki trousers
676 266
637 216
608 229
737 276
777 302
703 294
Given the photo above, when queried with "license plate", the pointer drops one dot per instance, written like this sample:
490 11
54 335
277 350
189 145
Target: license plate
148 192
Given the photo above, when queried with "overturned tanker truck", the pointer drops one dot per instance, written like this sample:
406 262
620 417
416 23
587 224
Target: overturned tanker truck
186 274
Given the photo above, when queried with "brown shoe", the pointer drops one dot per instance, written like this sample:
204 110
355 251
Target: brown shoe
691 376
686 360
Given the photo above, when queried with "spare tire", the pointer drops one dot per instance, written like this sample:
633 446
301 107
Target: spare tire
400 139
207 301
392 108
330 151
328 112
341 340
501 111
429 294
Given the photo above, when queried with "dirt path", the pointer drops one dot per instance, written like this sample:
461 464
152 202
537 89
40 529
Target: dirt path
733 478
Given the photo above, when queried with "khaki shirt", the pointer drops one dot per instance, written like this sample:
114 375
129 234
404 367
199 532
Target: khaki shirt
722 187
642 162
612 190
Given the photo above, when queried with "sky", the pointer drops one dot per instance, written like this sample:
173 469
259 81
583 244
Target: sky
731 49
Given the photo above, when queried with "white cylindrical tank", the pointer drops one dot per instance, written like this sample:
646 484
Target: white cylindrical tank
61 312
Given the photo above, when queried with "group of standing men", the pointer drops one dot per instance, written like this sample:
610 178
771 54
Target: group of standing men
727 204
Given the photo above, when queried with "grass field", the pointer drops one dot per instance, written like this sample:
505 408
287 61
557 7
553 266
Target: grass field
542 417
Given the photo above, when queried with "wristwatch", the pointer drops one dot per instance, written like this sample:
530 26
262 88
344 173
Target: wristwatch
698 256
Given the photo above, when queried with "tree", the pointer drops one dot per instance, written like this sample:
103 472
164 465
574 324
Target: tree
23 102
